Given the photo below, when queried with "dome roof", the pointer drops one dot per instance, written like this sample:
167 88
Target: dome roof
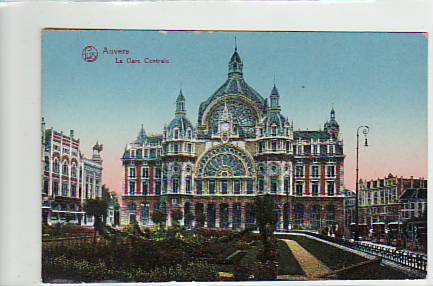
234 85
180 122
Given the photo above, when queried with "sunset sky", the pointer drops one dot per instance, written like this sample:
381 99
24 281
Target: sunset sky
375 79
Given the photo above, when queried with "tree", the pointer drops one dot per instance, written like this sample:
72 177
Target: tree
189 217
176 216
201 218
98 209
159 217
264 209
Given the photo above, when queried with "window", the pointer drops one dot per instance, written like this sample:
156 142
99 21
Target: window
315 150
176 148
250 188
299 149
315 171
65 168
175 185
74 171
211 187
132 172
299 189
274 146
189 134
261 185
158 173
331 188
145 187
330 171
286 185
224 187
199 187
274 131
188 185
315 189
73 191
189 146
132 188
274 185
47 164
176 134
299 171
46 184
331 149
157 188
65 189
237 187
145 172
56 188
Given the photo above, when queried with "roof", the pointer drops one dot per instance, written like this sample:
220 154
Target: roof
414 194
234 85
307 134
180 122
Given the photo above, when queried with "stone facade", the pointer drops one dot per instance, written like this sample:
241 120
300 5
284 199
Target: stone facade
68 177
380 199
241 147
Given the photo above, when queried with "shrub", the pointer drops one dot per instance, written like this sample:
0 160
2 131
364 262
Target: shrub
242 271
265 271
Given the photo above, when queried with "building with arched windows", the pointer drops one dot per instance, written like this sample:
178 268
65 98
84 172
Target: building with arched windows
68 177
241 147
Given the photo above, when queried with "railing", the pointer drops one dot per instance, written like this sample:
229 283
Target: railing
406 258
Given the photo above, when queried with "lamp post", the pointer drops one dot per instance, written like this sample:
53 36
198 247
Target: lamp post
365 129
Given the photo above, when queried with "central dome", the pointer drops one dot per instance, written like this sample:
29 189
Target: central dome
234 89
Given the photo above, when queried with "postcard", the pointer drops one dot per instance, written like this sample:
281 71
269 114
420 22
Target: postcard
212 155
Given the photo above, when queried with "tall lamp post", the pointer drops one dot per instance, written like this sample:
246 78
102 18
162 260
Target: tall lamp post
365 129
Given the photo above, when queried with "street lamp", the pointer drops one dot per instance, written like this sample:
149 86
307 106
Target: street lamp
365 129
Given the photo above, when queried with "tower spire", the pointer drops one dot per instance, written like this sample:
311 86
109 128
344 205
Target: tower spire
180 104
236 45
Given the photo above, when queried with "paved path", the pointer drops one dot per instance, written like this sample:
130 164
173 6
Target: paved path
311 266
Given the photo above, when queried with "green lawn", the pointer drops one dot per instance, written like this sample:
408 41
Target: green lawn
287 264
336 258
333 257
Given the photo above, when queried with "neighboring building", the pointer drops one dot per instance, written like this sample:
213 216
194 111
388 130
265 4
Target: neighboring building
384 201
241 147
68 178
349 207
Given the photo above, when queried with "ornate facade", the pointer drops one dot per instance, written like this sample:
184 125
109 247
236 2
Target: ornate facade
68 177
241 147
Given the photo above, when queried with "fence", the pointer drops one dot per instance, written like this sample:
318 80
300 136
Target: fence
402 257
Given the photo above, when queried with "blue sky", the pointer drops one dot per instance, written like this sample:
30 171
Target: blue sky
379 79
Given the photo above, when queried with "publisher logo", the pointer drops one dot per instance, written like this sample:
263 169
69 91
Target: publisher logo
89 54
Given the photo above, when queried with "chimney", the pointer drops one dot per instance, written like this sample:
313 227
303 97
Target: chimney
411 182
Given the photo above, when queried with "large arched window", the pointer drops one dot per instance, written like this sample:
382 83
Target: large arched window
225 161
74 171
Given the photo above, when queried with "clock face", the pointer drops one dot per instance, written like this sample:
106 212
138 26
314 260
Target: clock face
225 126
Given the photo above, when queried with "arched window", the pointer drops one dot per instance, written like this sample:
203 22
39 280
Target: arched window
56 167
189 134
176 133
65 168
74 171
